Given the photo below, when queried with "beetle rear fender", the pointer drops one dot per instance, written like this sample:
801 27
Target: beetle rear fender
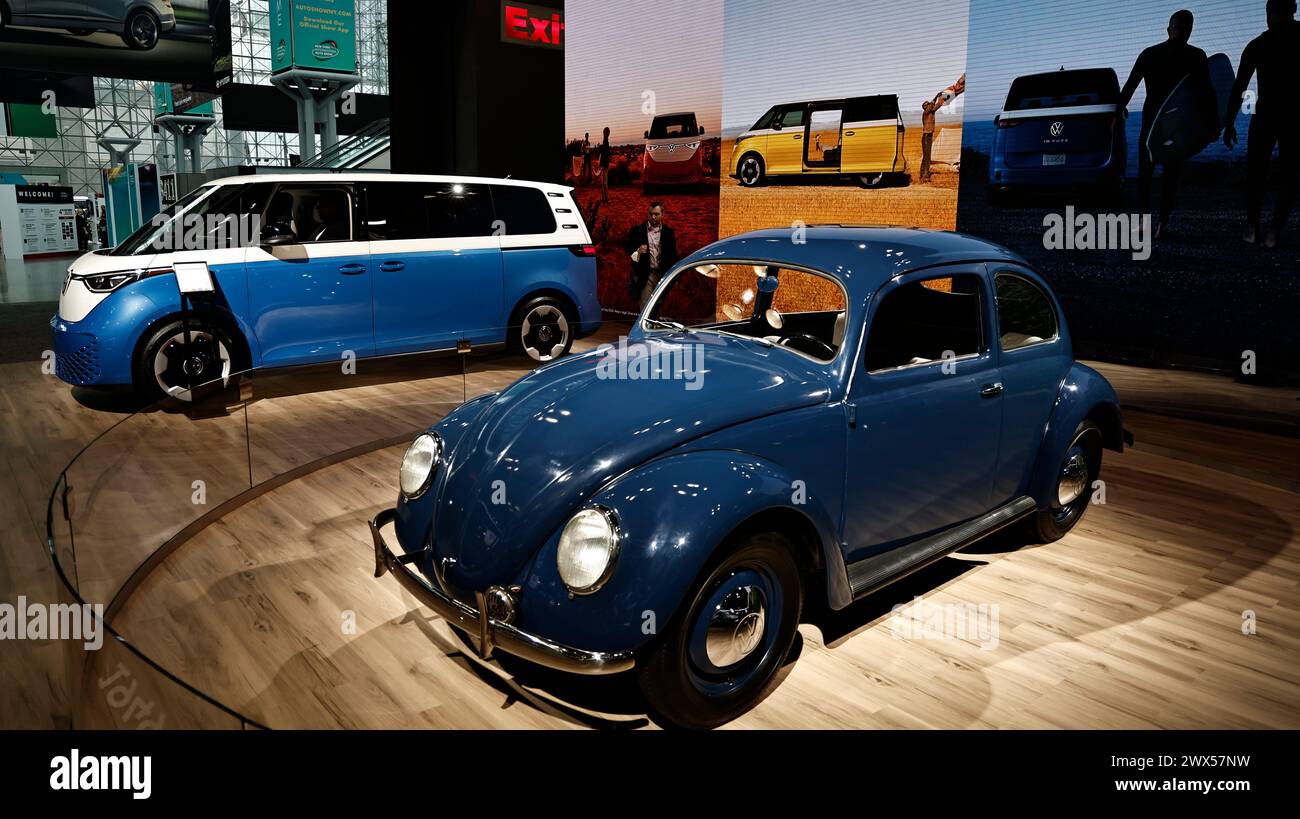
1085 395
674 513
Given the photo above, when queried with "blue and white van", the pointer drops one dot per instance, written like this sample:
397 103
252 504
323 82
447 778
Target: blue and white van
1060 129
312 268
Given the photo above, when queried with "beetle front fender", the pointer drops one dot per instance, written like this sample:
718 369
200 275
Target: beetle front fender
1084 394
673 514
415 518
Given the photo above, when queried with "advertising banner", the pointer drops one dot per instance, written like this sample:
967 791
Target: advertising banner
146 40
1122 152
316 34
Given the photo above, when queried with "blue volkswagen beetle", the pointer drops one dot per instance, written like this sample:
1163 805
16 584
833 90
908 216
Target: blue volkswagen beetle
796 420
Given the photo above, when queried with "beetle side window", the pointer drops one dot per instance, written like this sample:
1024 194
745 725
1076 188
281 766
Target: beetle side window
522 210
1025 313
926 322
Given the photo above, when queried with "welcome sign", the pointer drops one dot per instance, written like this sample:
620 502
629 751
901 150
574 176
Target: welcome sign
315 34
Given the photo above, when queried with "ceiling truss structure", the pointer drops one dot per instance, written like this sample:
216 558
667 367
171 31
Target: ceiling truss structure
124 109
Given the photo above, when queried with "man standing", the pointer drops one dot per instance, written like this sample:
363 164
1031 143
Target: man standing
928 109
1162 67
603 156
653 248
1275 57
586 157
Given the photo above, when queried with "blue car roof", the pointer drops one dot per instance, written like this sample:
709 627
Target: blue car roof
863 258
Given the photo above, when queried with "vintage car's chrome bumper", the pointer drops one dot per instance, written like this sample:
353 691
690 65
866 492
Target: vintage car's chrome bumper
489 633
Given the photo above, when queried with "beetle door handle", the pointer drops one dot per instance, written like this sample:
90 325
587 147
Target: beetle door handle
392 267
990 390
352 269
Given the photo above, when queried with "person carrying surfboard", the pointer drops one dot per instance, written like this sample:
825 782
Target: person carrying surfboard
1162 67
1275 57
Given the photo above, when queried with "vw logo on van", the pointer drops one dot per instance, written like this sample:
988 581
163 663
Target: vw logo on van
1057 128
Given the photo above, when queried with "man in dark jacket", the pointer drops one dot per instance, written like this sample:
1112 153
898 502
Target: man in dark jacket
1274 57
652 246
1161 67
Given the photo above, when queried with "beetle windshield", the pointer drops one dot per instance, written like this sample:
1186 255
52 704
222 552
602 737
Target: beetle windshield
797 310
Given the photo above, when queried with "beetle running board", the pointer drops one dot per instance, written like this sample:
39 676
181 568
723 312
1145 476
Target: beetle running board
871 573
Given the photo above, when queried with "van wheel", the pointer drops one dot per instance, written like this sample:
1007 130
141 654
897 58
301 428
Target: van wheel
751 171
542 329
142 30
721 658
871 180
1076 477
170 366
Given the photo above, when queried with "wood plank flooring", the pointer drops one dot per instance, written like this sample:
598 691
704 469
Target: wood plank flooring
1134 620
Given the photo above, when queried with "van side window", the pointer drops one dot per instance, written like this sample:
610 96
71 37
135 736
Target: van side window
1025 313
313 213
522 210
869 109
427 210
925 322
792 118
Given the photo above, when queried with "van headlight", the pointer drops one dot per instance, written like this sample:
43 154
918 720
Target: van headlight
108 282
588 549
418 464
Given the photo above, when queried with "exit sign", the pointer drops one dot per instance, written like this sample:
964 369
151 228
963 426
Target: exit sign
526 24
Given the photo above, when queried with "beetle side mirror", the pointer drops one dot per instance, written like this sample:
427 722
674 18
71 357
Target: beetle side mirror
647 134
277 234
701 132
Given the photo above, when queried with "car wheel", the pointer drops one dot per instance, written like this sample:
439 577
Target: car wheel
721 657
871 180
169 365
1076 478
142 30
751 171
543 329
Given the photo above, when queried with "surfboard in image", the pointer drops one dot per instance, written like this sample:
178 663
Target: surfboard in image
1185 125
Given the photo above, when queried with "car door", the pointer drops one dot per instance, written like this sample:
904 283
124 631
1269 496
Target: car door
925 411
1034 359
785 144
310 300
436 261
871 135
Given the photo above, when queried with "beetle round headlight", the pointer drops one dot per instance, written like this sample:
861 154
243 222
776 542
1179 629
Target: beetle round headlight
588 549
418 463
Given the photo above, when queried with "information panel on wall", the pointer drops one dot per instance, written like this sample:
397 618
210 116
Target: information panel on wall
49 219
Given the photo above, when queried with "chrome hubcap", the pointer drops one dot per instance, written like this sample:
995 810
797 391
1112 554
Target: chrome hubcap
749 170
544 333
736 626
1074 478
